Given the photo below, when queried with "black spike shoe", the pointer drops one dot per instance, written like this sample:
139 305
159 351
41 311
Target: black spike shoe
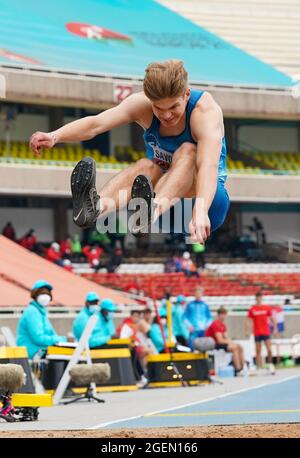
86 202
142 188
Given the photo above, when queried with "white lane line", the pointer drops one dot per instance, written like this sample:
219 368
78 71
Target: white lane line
182 406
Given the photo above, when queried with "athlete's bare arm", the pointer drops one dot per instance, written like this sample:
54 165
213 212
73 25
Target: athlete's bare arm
135 108
207 130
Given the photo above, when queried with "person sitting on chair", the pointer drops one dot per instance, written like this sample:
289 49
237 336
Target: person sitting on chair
34 329
104 328
218 331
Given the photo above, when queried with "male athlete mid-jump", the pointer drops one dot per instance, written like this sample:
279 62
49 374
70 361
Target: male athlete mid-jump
185 145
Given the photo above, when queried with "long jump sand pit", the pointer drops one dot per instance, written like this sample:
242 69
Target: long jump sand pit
290 430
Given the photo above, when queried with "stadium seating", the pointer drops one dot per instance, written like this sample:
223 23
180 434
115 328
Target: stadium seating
263 28
282 162
69 154
178 283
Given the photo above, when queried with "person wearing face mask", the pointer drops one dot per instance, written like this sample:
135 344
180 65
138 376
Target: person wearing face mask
104 329
34 329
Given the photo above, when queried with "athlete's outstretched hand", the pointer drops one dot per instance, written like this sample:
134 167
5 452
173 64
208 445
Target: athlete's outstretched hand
199 227
40 140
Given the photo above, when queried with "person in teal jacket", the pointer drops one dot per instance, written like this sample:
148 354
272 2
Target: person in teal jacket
35 332
104 329
179 327
155 331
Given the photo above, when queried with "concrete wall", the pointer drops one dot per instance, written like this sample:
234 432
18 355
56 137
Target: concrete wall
19 179
270 138
50 88
23 219
277 225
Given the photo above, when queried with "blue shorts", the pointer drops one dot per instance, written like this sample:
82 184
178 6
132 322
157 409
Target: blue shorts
217 213
219 207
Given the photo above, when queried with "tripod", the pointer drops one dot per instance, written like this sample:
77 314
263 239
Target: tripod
89 395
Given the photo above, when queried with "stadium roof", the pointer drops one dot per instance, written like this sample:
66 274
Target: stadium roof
119 38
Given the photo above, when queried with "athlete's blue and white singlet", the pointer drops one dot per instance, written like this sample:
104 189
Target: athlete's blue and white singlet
160 150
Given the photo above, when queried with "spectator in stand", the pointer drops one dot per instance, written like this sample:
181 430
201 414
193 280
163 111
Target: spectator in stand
259 231
134 287
29 240
53 254
258 319
9 231
187 265
116 258
119 235
67 265
170 265
178 263
100 239
199 250
66 247
104 329
35 332
93 254
76 247
218 331
197 316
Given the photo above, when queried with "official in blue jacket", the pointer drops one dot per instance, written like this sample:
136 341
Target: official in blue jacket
197 316
34 328
104 329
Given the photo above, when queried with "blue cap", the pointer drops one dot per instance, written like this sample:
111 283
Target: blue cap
107 304
180 298
91 297
42 284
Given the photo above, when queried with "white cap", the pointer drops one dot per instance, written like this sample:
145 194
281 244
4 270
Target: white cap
55 246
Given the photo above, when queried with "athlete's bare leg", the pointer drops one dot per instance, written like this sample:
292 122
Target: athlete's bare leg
123 182
179 181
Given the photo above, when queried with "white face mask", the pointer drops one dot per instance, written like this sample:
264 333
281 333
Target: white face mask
43 299
94 308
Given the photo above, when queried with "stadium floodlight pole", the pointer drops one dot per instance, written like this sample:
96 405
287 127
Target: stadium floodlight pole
158 317
82 345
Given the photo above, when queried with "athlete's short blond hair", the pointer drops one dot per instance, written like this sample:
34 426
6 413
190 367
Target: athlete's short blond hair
165 80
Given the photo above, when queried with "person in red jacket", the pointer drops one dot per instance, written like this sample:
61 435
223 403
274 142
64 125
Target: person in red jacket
258 319
93 254
9 231
66 247
218 331
53 254
29 240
